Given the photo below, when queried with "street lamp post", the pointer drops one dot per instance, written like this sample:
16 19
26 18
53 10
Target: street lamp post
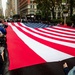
65 14
57 12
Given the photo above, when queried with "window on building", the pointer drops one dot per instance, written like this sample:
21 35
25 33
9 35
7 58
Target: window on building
31 6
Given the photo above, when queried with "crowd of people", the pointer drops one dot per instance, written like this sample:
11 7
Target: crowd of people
3 45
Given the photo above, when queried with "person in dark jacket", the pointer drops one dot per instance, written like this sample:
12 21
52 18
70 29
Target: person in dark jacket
3 30
67 70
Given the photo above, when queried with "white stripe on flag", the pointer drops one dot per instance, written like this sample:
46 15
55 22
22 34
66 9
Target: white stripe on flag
64 28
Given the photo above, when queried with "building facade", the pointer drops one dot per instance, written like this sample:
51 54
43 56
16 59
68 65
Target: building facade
1 9
27 7
11 8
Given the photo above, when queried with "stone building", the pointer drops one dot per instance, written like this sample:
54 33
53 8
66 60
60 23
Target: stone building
27 7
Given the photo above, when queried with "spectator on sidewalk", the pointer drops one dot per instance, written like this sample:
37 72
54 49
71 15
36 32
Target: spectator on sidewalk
67 70
4 24
1 59
3 31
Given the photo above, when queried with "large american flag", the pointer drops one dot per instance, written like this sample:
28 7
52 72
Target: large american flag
29 46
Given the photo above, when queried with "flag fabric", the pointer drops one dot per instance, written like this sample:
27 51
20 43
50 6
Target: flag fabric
34 45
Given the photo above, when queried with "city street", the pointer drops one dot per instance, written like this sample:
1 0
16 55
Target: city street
37 37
